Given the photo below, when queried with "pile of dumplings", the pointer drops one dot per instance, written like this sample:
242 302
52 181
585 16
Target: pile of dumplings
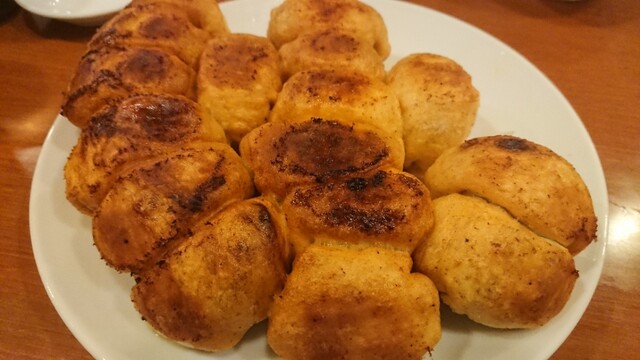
292 178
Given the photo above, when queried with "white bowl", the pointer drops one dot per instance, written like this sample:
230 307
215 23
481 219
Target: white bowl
78 12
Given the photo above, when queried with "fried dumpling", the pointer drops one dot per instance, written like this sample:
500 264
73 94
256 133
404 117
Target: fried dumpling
158 200
294 17
219 281
153 25
387 208
238 82
204 14
493 269
106 76
439 105
343 303
314 152
342 95
537 186
138 128
330 48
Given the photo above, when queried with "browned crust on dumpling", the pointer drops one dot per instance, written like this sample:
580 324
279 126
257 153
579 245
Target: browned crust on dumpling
153 25
439 105
204 14
343 95
390 209
294 17
493 269
220 281
139 128
537 186
106 76
283 156
238 81
344 303
330 48
157 201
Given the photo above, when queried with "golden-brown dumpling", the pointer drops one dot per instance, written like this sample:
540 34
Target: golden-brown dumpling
535 185
218 282
204 14
387 208
153 25
158 200
493 269
342 95
294 17
342 303
330 48
107 75
314 152
138 128
238 82
439 105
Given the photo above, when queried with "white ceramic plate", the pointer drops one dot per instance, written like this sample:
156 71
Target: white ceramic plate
79 12
516 99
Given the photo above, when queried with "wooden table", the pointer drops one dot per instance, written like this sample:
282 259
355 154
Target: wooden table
589 49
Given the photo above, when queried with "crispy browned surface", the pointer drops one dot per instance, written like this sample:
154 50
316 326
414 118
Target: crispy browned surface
294 17
342 303
330 48
342 95
439 105
314 152
535 185
218 282
390 209
238 81
140 127
107 75
204 14
493 269
158 200
153 25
